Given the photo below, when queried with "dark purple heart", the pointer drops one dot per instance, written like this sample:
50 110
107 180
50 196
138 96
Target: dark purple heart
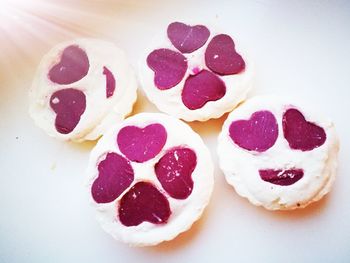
110 82
187 38
115 175
174 172
69 105
143 203
73 66
281 177
201 88
301 134
169 67
259 133
140 145
221 56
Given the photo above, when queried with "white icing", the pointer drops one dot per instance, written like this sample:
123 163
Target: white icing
184 212
101 112
241 166
169 101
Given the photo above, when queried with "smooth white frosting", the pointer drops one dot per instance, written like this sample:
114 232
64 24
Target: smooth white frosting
241 166
183 212
170 101
101 112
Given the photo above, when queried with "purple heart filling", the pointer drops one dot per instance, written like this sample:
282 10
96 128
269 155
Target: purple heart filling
115 175
301 134
221 56
281 177
174 171
259 133
110 82
69 105
141 144
202 88
143 203
169 67
73 66
187 38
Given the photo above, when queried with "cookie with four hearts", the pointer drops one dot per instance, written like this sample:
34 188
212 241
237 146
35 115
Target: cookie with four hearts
80 88
277 154
150 178
194 72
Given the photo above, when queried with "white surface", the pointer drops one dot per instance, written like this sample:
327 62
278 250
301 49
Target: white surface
183 212
298 47
241 166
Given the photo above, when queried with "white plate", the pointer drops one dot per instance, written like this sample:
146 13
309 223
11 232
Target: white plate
300 48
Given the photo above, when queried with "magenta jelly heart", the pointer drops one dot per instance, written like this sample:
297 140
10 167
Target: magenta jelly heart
187 38
169 67
259 133
221 56
301 134
73 66
202 88
110 82
115 175
143 203
69 105
174 171
140 145
281 177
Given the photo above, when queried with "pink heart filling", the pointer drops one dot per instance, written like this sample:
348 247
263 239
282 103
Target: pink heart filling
143 203
202 88
259 133
187 38
141 144
115 175
69 105
221 56
301 134
174 171
73 66
281 177
169 67
110 82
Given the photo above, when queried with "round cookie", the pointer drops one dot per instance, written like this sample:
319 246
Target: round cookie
195 73
81 88
150 178
278 155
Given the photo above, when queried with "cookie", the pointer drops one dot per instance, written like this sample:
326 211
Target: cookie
80 88
277 154
149 179
195 73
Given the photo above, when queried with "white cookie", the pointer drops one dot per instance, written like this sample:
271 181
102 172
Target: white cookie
89 83
167 95
265 167
148 154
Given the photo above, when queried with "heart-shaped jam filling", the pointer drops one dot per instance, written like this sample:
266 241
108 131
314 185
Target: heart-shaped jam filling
69 105
201 88
143 203
281 177
221 56
169 67
174 171
301 134
141 144
110 82
73 66
115 175
259 133
187 38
